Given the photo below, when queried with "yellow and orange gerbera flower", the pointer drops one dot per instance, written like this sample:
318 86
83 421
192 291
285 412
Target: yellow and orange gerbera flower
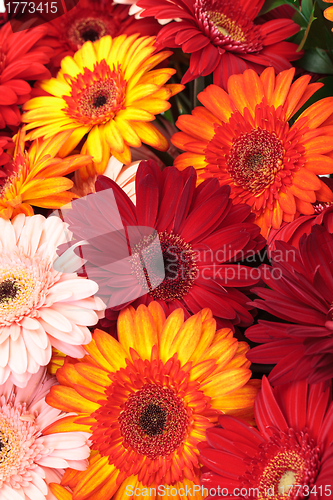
148 398
109 91
243 138
36 176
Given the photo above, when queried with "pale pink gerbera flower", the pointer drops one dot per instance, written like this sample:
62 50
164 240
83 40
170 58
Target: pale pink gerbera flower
30 457
39 306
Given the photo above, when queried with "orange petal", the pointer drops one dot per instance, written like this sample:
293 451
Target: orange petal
287 202
195 127
282 87
277 216
318 112
319 164
307 180
324 193
67 399
304 207
295 94
267 78
217 101
110 349
302 194
226 382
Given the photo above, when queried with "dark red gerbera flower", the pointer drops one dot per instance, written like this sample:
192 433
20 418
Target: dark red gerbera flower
289 457
91 20
291 232
300 292
222 37
22 58
192 263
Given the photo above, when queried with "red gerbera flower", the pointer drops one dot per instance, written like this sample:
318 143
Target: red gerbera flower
291 456
222 37
200 237
22 58
300 293
91 20
291 232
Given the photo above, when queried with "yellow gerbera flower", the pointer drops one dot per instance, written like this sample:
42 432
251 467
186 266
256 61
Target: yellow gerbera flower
148 399
36 176
108 91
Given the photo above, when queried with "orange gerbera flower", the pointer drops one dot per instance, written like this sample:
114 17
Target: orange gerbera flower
108 91
243 138
36 176
149 398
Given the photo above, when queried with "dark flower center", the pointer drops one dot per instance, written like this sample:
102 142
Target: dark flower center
90 34
255 159
154 421
179 266
100 100
8 290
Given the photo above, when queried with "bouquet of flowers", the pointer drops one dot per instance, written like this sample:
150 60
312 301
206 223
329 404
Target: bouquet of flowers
166 250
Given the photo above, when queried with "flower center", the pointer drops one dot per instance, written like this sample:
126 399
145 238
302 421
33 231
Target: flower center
18 447
96 95
86 29
179 266
286 466
154 421
254 160
8 290
226 26
20 289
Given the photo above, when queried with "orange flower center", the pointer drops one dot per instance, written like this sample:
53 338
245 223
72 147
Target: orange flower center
96 95
179 266
226 26
254 160
286 467
154 421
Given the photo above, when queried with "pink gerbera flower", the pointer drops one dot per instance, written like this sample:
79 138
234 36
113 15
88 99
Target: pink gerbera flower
31 457
39 307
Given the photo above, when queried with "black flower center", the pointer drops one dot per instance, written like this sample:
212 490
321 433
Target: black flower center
90 34
100 101
153 420
8 290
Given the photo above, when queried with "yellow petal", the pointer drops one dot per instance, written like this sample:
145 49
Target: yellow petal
94 144
225 382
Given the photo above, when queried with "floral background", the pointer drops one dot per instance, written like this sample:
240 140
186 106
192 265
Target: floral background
166 250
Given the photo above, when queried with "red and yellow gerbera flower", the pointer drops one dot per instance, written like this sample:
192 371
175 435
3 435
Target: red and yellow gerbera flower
36 176
148 398
108 91
243 139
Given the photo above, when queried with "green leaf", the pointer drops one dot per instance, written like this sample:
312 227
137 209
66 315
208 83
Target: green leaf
273 4
316 60
307 8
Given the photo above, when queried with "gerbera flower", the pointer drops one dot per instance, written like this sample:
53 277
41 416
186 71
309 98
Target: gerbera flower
244 140
36 176
108 91
32 456
300 293
289 456
200 236
291 232
148 399
90 20
22 57
39 306
222 37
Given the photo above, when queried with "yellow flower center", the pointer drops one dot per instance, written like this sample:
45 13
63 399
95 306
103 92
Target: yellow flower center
227 26
288 479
